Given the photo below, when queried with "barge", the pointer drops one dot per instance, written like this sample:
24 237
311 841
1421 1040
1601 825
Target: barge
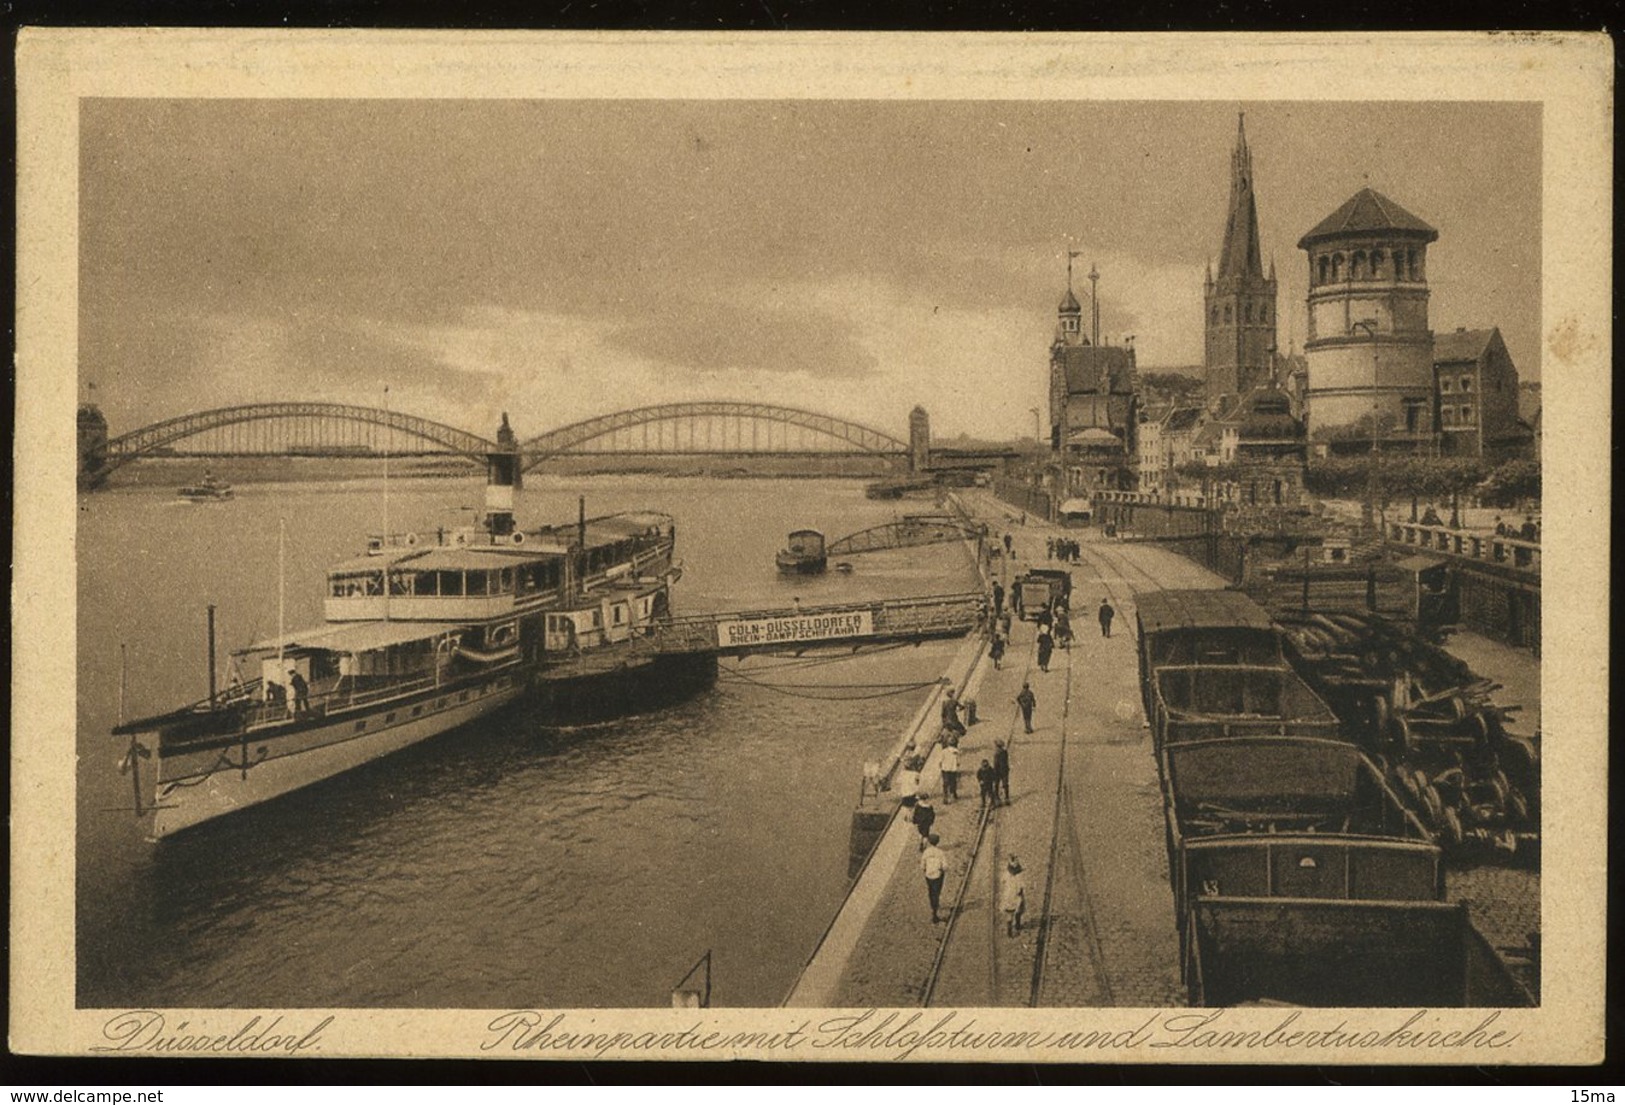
1298 875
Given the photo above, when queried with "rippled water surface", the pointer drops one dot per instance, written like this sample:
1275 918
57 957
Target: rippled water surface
511 862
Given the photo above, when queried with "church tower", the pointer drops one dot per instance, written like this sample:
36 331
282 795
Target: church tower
1239 299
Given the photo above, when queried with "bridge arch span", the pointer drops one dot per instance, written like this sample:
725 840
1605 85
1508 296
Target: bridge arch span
125 448
571 438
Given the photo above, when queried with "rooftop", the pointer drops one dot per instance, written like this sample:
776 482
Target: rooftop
1462 345
1367 212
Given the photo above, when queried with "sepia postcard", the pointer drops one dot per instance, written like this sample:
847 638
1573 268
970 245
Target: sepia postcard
964 548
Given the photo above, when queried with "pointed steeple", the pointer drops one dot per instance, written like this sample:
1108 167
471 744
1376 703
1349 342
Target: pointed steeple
1240 256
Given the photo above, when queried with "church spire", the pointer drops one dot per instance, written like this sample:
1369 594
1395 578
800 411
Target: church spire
1240 256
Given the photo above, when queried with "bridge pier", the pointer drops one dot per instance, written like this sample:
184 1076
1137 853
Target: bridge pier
92 472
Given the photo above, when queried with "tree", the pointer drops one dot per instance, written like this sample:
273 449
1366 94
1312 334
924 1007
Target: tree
1175 385
1337 477
1510 483
1357 431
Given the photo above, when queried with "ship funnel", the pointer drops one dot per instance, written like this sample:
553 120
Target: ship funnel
502 479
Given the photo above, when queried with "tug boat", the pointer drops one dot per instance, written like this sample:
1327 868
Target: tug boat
804 554
423 635
210 489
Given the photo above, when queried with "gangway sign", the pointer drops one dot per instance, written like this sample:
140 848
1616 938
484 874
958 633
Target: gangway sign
795 628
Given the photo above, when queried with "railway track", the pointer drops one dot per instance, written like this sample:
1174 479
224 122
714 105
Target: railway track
1012 966
1008 971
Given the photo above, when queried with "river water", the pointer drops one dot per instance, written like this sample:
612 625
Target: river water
510 863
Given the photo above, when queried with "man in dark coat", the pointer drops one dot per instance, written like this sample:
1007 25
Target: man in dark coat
998 598
1106 613
1027 700
988 781
1001 771
1046 648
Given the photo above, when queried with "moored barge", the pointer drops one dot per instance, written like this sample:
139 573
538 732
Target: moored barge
1298 875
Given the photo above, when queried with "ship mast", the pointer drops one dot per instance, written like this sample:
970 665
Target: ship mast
386 502
281 592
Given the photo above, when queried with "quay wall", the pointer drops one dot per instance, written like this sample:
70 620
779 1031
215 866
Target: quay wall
878 835
815 985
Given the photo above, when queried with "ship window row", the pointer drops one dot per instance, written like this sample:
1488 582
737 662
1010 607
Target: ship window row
524 580
603 557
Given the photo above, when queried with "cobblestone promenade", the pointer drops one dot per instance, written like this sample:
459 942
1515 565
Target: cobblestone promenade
1111 938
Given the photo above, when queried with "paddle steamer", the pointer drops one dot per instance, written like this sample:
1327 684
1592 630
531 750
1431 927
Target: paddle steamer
423 634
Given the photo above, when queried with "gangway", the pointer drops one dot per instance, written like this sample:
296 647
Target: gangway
839 625
914 530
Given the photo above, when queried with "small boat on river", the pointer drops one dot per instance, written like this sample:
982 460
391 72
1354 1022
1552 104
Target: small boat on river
804 554
210 489
423 635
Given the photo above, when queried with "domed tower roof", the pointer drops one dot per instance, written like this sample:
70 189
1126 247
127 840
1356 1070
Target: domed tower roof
1369 212
1070 304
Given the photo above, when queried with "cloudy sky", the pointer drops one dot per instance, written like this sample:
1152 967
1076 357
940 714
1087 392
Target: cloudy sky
560 259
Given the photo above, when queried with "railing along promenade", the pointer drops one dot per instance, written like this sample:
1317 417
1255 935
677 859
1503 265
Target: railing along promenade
1501 550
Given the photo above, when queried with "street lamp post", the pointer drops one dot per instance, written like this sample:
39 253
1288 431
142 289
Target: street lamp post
1374 478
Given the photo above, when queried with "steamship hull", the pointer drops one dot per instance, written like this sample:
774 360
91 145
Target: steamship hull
198 781
199 777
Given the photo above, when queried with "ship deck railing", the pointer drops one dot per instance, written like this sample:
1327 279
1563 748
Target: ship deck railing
347 693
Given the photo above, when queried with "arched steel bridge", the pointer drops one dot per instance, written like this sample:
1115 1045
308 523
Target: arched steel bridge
337 429
713 427
306 428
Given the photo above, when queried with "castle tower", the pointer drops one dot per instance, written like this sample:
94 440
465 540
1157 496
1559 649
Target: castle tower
1370 351
1239 300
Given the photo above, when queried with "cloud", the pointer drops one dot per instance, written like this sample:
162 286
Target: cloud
772 331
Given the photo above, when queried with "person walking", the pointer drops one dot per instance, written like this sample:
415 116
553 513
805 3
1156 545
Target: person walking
1106 614
1001 771
1027 700
988 781
949 763
1009 545
950 714
1046 648
996 651
908 777
1063 628
1049 548
924 816
1013 896
934 865
998 598
1016 599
